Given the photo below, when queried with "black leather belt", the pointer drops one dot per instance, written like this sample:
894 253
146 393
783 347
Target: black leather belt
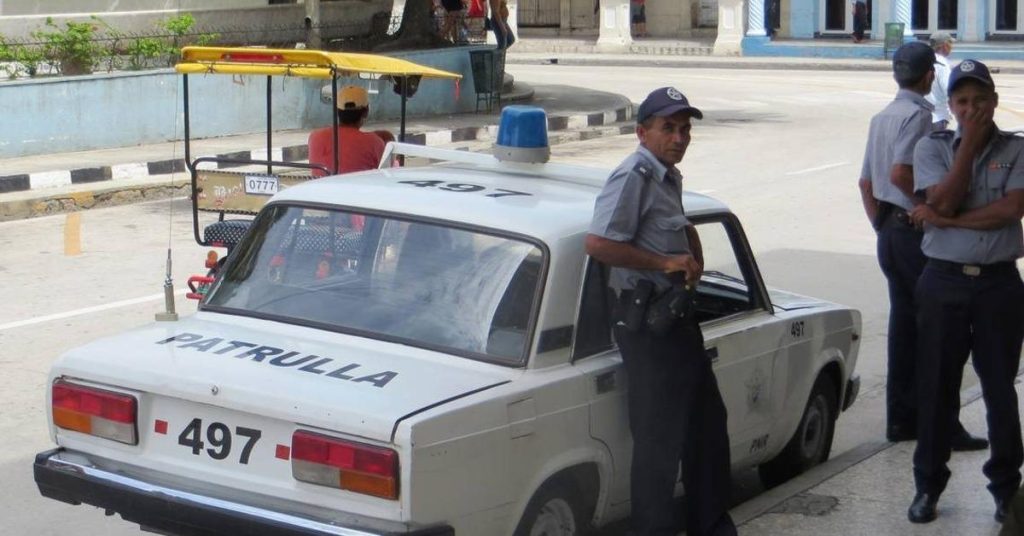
974 270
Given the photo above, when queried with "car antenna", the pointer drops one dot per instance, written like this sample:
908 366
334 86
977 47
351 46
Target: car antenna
169 314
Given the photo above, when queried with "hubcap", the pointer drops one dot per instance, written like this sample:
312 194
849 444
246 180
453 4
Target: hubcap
554 519
813 432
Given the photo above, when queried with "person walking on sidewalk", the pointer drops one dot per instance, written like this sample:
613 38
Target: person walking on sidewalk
970 294
860 20
676 412
942 44
638 17
886 185
357 150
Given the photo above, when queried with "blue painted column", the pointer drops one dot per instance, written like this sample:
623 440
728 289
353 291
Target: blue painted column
902 10
755 16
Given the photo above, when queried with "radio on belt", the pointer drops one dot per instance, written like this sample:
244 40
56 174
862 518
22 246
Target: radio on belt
523 135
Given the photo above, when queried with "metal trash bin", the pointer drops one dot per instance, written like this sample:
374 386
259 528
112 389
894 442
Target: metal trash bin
488 76
893 38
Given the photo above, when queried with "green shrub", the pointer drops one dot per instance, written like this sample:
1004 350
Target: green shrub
72 49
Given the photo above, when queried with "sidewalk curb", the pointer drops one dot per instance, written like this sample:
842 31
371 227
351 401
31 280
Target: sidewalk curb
715 62
119 184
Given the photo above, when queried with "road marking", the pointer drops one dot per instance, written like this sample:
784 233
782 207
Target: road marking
819 168
84 311
73 234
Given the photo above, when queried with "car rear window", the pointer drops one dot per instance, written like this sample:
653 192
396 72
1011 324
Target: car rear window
423 283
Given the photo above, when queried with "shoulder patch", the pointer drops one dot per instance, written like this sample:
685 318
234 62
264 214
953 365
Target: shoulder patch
643 169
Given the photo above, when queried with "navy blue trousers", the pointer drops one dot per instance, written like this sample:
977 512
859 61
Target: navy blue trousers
901 260
961 315
676 415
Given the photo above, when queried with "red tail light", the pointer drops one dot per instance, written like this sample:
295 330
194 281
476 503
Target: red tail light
348 465
97 412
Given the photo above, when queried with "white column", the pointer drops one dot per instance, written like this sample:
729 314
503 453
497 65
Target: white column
730 28
614 26
902 14
755 13
969 33
513 17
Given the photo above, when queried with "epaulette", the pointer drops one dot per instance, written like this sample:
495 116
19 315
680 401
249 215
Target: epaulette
942 134
643 169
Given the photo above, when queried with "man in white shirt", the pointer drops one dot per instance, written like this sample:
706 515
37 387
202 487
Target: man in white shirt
942 44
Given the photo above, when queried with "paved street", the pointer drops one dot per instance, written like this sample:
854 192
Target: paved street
783 149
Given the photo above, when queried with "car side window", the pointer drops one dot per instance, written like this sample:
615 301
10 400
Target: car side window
724 287
593 325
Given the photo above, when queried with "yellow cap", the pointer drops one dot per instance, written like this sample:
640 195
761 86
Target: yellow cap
351 97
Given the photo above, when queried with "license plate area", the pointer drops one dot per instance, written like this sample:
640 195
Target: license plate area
261 184
190 434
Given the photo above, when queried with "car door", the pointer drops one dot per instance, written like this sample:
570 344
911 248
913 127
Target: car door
741 335
595 356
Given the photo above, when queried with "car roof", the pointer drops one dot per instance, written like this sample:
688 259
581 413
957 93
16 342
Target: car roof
533 200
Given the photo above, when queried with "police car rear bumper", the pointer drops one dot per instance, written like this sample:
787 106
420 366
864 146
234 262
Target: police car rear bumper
72 480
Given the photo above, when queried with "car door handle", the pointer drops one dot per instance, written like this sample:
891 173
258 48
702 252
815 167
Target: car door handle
712 353
605 382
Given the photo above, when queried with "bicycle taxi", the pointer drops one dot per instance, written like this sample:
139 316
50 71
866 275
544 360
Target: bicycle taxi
241 186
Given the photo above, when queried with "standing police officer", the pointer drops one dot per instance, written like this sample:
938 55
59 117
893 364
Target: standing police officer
887 191
970 293
676 413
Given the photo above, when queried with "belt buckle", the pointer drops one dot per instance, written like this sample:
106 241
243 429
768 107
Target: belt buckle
971 270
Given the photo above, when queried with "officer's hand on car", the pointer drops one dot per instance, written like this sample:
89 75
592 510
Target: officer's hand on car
686 264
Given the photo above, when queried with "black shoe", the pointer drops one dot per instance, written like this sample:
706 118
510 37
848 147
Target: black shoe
963 441
897 433
922 510
1002 507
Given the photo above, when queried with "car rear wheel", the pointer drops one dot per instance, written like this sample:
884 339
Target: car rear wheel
812 442
553 511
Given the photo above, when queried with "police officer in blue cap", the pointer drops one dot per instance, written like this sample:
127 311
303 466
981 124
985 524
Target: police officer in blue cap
970 294
676 413
887 191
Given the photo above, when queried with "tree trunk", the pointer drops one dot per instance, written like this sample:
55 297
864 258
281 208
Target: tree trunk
417 30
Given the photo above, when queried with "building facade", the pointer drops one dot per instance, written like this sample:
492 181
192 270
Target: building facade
967 20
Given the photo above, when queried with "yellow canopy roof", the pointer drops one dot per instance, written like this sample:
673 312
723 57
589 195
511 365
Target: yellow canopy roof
304 63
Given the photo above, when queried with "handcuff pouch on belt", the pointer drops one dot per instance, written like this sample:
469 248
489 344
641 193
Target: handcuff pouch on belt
675 305
658 312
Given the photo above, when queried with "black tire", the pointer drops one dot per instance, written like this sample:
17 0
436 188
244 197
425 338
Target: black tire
553 511
812 441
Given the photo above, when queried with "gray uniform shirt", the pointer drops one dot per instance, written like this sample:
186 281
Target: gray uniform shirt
998 169
641 203
891 139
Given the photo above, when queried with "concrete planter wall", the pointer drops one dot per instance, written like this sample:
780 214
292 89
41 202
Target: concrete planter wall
98 111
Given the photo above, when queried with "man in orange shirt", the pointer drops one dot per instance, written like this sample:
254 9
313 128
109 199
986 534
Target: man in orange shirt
357 150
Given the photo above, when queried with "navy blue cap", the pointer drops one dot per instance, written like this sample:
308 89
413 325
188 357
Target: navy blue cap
970 69
663 102
911 61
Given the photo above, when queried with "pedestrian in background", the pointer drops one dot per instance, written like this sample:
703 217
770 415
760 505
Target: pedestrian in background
638 17
942 44
970 294
676 413
860 20
887 191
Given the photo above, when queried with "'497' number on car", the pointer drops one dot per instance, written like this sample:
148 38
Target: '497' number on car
219 437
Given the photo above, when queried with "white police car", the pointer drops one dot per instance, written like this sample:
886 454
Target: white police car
424 350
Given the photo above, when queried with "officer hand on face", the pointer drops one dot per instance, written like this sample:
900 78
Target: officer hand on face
976 127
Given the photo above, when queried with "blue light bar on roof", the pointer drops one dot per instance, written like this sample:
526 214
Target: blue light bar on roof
523 135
